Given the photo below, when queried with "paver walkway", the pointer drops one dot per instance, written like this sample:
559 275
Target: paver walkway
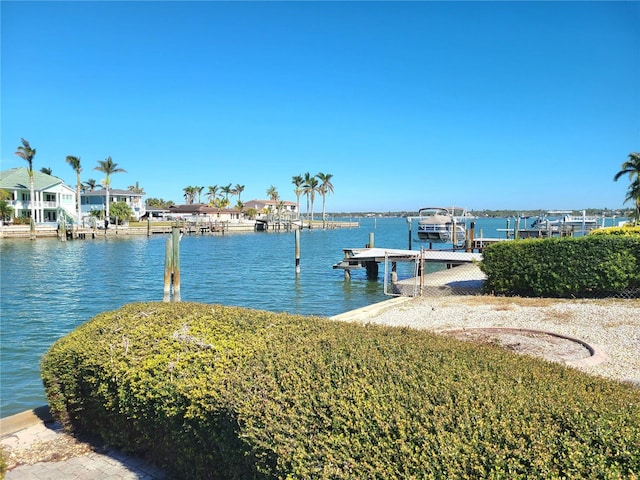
28 429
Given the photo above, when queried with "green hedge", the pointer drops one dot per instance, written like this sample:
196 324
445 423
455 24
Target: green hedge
220 392
624 230
590 266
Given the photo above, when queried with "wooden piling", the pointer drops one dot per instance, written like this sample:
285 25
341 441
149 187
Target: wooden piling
371 238
168 269
148 227
63 230
176 264
410 232
297 238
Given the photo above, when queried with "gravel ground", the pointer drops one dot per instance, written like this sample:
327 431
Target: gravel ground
611 325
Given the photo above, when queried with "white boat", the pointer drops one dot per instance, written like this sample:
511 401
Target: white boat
563 220
443 225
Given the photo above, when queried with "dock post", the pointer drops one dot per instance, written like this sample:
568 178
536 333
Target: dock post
148 227
176 264
63 230
372 270
297 237
371 236
409 222
168 269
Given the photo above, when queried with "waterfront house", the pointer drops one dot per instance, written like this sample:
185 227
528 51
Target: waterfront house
96 200
271 206
52 197
204 213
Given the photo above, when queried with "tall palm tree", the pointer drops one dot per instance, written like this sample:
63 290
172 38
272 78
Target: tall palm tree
108 167
324 189
27 153
633 195
631 167
237 190
272 193
189 194
227 191
199 190
298 182
213 191
75 164
90 184
312 187
306 191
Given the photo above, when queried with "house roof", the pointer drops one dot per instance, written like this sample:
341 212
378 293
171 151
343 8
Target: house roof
112 191
18 179
270 202
200 208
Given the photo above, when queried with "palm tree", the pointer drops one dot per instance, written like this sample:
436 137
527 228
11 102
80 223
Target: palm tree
90 184
46 170
136 189
199 190
298 182
272 193
108 167
325 188
27 153
312 187
633 195
237 190
306 191
75 164
213 191
189 194
227 191
631 167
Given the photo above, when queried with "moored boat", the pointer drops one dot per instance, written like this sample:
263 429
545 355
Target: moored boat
442 225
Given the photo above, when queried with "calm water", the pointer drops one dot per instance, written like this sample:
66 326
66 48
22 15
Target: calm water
50 287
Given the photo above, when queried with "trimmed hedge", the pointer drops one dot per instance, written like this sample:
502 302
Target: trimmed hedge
222 392
624 230
591 266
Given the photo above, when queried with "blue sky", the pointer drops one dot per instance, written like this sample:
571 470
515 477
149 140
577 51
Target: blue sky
487 105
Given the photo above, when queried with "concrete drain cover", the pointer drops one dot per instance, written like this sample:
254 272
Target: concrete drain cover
547 345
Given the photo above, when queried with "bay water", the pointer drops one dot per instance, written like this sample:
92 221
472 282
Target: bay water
49 287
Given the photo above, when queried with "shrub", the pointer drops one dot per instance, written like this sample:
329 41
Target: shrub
624 230
598 265
223 392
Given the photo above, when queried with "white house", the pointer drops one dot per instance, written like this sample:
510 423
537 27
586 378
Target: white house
52 196
271 206
96 200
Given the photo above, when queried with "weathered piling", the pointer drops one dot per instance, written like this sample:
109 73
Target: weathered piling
297 239
168 269
176 264
172 267
62 230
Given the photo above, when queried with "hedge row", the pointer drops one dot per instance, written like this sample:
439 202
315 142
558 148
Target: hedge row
599 265
221 392
624 230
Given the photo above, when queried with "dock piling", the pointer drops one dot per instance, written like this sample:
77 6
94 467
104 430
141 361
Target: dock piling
297 239
172 267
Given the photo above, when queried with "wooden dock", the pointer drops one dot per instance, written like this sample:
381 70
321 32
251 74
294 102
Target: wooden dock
370 258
